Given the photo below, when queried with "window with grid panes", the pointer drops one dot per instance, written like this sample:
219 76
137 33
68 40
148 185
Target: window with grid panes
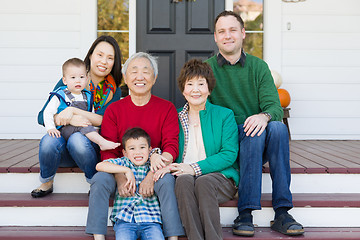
251 11
113 20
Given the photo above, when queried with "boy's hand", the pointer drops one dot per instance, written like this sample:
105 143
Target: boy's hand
157 162
54 132
130 184
146 188
161 173
121 182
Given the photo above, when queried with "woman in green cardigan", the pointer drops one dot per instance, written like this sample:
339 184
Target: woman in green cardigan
206 169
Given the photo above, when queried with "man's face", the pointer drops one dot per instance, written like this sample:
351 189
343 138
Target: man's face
139 76
229 35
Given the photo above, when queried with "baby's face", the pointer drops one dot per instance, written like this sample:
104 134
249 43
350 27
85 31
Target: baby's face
137 150
75 78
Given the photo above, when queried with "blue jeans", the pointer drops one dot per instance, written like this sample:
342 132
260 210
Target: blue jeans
103 185
77 151
132 231
271 146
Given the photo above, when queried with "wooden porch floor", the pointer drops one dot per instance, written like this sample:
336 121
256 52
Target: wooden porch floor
306 156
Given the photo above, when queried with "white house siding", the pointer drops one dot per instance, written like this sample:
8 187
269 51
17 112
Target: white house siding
320 67
318 59
36 37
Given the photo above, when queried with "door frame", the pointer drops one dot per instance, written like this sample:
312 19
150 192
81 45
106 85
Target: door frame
272 31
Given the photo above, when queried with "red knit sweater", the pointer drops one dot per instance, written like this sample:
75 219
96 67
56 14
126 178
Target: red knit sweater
158 118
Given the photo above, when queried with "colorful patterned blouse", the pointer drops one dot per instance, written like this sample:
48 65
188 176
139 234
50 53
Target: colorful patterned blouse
102 91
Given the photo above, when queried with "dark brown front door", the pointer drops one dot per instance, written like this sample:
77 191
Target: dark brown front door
175 32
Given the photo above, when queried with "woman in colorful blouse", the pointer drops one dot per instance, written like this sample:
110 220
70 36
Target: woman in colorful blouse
103 62
206 169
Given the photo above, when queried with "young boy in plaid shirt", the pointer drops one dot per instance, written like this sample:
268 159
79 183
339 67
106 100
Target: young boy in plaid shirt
135 216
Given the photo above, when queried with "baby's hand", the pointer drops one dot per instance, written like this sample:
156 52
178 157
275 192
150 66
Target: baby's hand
54 132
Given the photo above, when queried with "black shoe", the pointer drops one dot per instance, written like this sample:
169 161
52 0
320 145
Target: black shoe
37 193
287 225
243 228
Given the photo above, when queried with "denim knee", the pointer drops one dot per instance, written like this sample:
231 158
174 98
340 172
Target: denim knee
83 152
51 150
277 129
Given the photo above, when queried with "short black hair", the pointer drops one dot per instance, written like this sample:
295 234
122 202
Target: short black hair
229 13
135 133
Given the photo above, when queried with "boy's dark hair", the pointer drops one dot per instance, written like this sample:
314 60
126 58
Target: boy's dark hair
135 133
77 62
196 68
229 13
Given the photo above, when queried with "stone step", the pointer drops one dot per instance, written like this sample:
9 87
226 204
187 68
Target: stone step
74 182
70 209
78 233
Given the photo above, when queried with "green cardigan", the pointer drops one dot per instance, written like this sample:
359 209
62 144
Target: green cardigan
220 136
246 90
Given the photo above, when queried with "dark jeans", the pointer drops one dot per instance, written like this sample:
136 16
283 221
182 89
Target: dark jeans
271 146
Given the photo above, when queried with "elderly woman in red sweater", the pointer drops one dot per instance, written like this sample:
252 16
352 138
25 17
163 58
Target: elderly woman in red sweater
158 118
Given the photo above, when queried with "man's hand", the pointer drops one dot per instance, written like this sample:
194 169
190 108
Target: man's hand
146 188
161 173
54 132
255 124
121 182
158 162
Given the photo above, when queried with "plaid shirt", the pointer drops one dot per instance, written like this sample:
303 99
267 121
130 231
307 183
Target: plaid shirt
184 121
222 61
135 208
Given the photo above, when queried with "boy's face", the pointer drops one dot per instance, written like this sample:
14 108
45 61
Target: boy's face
137 150
75 78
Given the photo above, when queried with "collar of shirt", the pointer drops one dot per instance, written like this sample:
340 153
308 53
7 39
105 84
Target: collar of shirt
221 60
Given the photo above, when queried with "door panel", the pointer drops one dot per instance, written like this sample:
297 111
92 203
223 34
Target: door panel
200 23
166 62
175 33
160 16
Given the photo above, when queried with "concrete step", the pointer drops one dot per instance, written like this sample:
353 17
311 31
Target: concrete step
78 233
74 182
70 209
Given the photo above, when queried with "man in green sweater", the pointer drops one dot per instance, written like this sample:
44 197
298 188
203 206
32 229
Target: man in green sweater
245 85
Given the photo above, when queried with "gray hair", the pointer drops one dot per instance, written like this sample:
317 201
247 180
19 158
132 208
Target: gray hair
152 60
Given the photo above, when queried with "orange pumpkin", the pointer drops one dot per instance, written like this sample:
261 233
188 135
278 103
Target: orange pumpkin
284 97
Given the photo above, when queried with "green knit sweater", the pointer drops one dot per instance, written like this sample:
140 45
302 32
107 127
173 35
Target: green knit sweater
246 90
